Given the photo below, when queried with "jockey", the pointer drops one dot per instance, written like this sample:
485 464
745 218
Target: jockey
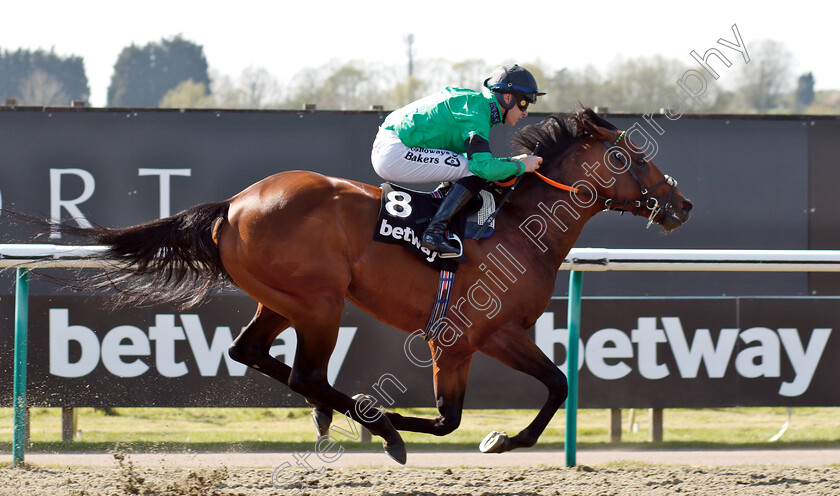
446 137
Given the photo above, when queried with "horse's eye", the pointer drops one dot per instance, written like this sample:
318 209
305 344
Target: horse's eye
642 161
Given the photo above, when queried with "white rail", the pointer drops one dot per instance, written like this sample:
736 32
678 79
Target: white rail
594 259
50 256
582 259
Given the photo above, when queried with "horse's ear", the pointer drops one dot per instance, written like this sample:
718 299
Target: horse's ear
589 121
600 132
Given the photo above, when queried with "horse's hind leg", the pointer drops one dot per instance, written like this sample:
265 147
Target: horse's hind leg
317 333
515 349
252 347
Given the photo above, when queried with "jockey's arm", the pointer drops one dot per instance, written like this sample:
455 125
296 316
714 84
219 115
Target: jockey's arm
484 165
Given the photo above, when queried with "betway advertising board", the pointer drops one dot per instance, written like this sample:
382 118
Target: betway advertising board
634 352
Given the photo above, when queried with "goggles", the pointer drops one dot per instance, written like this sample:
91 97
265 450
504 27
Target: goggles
524 99
522 103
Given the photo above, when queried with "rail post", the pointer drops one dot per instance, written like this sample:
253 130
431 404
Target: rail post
573 323
21 344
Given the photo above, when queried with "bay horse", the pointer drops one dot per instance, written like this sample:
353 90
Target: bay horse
300 244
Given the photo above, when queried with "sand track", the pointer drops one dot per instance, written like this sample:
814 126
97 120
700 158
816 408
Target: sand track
598 472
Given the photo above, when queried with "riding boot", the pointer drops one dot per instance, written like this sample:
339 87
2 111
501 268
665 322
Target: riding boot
434 237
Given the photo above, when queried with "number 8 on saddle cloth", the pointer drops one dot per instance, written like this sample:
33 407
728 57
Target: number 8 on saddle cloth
404 215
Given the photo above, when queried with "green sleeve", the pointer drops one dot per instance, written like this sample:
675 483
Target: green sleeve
486 166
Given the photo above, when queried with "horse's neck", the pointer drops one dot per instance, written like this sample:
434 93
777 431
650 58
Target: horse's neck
551 219
562 241
547 225
565 214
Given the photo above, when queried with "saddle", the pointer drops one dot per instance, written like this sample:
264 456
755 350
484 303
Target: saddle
404 214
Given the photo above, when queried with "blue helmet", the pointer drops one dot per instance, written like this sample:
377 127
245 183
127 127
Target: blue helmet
514 79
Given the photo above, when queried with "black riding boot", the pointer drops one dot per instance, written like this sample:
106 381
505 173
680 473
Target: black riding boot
434 237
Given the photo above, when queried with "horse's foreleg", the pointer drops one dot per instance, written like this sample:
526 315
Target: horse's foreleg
517 350
252 347
450 379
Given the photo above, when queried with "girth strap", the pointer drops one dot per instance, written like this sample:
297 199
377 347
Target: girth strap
444 291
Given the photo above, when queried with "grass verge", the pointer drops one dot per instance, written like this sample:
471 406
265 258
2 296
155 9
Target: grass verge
291 429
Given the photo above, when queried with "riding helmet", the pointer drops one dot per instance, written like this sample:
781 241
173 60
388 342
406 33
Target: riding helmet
514 79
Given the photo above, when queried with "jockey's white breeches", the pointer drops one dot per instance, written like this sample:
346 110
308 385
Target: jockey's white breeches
394 161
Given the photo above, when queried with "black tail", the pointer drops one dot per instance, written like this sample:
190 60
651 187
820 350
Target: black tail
165 260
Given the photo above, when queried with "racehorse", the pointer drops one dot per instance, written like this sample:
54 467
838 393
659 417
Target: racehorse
301 243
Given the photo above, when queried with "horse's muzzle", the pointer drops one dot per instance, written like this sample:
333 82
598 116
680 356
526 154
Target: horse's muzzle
676 214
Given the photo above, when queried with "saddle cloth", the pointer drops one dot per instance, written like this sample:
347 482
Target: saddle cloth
404 214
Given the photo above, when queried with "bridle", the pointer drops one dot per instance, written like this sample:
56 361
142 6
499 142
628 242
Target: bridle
647 201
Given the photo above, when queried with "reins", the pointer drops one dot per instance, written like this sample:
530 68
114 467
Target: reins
647 201
513 183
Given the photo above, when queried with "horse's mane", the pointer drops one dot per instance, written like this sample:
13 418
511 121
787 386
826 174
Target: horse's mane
557 133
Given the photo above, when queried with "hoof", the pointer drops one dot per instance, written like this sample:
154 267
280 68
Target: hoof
322 422
396 451
396 447
493 442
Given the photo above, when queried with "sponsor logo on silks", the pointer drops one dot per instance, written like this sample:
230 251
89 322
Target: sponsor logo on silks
419 158
432 156
430 151
495 116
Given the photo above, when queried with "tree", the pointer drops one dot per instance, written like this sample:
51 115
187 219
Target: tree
354 85
306 88
188 94
344 87
143 75
722 102
470 73
224 93
255 88
406 92
42 78
438 74
259 88
766 78
805 91
643 84
825 102
41 88
569 88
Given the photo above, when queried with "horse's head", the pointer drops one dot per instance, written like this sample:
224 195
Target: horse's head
626 178
585 154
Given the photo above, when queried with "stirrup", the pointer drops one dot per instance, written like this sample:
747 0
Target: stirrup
454 237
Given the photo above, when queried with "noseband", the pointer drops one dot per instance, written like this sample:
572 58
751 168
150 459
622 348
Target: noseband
647 201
